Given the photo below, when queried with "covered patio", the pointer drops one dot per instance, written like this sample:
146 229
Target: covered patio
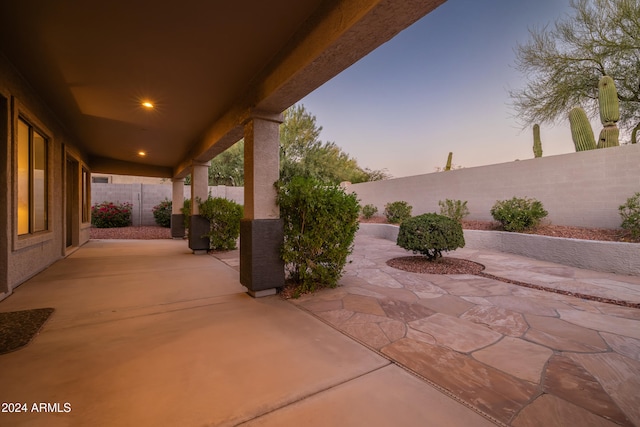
144 333
158 89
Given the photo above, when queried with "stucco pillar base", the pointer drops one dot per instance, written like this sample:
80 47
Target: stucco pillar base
261 269
198 227
177 226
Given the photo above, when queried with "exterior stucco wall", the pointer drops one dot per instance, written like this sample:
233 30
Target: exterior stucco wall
579 189
5 151
144 197
25 256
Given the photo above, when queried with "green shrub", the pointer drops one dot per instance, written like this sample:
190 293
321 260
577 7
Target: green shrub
430 234
454 209
186 212
518 214
630 213
111 215
320 223
368 211
396 212
224 217
162 213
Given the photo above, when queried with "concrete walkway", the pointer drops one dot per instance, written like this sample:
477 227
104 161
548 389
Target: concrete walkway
524 357
147 334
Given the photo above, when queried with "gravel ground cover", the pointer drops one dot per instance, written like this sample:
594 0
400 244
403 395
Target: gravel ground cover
605 234
144 233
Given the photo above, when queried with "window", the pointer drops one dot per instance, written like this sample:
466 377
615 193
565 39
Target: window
32 179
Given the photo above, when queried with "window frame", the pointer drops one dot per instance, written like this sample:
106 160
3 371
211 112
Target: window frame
19 112
85 190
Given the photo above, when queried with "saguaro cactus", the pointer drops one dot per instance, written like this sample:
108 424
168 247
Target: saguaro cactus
537 144
609 113
581 131
448 167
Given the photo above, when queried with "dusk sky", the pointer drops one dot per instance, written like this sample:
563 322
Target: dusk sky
441 85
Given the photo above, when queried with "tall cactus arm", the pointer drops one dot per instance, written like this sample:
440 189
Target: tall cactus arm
581 131
608 101
609 113
537 143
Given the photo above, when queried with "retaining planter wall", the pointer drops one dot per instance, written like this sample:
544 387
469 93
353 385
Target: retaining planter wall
612 257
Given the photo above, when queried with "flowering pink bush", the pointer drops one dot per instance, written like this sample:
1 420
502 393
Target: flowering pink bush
109 215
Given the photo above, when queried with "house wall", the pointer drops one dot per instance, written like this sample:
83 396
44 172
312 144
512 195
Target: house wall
21 257
5 99
579 189
144 197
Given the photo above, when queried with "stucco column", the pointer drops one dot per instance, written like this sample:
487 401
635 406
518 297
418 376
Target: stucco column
261 231
177 201
199 225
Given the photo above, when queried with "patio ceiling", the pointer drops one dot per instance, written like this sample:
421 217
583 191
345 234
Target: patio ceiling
205 65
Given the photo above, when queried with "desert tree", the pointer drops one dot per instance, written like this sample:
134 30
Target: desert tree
302 153
227 168
563 63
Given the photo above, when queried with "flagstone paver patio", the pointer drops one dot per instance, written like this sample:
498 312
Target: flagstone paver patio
523 356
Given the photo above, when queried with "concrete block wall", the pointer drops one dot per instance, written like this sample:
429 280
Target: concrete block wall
144 197
578 189
232 193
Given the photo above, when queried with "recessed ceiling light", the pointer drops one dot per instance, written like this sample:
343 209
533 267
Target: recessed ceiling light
147 104
142 153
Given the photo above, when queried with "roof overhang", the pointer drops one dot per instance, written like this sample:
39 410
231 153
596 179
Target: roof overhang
207 66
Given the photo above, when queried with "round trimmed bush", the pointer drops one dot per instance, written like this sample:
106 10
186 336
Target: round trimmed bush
430 234
162 213
518 214
396 212
369 211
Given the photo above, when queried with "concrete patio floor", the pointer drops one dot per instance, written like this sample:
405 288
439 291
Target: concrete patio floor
145 333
